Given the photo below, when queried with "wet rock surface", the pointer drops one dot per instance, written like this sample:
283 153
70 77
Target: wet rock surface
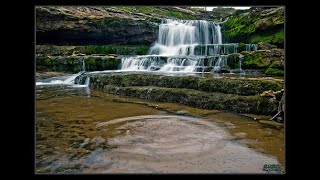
176 144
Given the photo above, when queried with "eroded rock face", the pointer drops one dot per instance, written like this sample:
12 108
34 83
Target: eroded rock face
282 103
256 25
265 46
77 62
105 25
92 25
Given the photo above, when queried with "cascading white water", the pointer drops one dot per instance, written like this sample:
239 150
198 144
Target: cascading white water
176 40
83 65
218 32
180 37
182 46
222 61
63 80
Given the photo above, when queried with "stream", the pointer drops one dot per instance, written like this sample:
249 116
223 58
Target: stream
79 130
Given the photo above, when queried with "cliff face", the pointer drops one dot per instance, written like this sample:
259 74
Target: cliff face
256 25
106 25
67 25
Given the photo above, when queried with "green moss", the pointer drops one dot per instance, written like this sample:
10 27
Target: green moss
146 9
54 50
44 50
227 67
90 63
227 86
242 47
178 15
274 71
255 61
239 27
112 64
70 65
114 49
276 38
43 63
233 61
254 27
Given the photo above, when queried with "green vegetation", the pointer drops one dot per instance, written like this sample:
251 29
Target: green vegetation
114 49
239 28
255 61
43 63
274 71
264 59
58 58
73 64
276 38
233 61
54 50
242 47
256 26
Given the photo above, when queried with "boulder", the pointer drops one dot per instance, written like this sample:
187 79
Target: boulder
265 46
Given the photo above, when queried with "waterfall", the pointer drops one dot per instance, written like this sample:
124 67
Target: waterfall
218 32
83 65
87 82
180 37
178 44
60 80
181 46
240 62
179 64
221 62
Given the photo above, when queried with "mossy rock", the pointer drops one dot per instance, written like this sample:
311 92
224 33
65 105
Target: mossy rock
263 59
252 26
53 50
233 61
274 72
241 104
227 86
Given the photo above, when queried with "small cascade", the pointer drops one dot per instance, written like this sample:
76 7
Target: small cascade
83 65
221 62
183 46
179 64
81 61
60 80
87 82
240 62
251 47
